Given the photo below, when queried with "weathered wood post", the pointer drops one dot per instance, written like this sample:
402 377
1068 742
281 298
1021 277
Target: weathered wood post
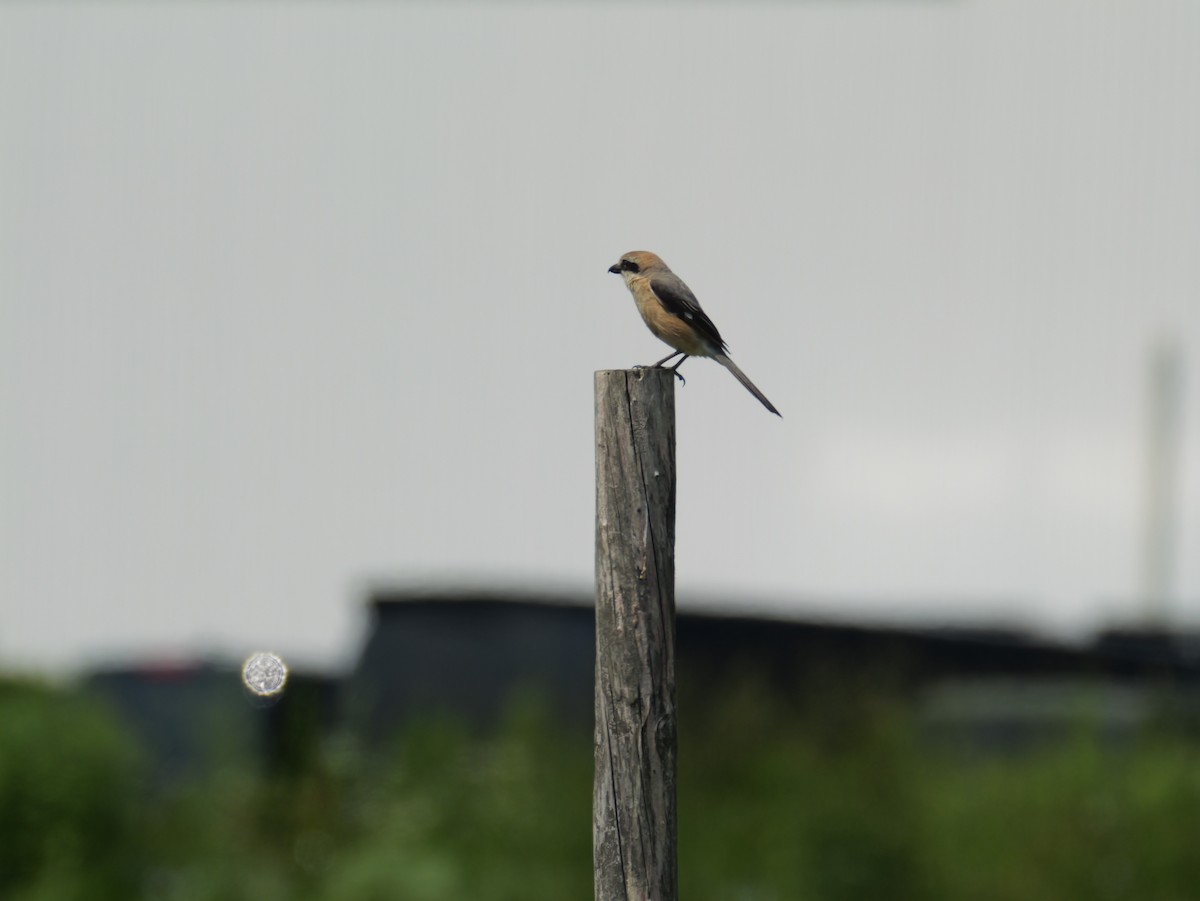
633 799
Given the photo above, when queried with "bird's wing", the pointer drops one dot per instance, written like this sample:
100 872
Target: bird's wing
678 300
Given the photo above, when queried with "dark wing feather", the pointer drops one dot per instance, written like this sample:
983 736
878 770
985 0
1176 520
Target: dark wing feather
678 300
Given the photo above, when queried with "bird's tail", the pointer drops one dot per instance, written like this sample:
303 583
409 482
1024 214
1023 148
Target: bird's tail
745 380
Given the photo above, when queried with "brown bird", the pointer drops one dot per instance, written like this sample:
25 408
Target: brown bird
671 311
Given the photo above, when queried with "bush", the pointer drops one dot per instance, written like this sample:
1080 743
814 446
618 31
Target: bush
69 802
833 802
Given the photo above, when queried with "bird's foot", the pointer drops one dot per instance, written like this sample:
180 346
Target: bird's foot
672 369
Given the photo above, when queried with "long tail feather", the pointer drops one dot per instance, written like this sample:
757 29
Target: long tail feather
745 380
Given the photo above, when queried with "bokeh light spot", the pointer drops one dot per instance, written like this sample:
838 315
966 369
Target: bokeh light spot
264 674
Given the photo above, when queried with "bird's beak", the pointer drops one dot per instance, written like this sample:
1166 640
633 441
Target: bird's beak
615 268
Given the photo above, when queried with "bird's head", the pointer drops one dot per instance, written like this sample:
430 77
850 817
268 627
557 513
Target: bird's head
636 262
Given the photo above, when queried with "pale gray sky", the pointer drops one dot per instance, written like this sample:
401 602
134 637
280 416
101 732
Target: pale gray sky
300 298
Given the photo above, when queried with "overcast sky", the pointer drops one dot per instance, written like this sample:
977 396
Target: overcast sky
299 299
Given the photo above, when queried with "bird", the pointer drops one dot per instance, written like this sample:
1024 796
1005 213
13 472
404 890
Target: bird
671 311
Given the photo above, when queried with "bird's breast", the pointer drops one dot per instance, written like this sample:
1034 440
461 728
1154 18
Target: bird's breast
666 326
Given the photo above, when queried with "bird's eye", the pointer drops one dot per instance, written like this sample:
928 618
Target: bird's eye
629 266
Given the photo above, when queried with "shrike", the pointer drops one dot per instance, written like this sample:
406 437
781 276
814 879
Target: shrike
671 311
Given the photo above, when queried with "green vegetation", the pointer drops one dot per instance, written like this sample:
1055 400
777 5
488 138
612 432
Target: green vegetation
68 818
836 802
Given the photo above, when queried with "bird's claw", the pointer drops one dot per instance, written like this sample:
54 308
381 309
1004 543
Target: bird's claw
670 369
674 370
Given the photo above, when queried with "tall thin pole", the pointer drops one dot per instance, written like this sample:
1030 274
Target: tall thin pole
633 813
1162 488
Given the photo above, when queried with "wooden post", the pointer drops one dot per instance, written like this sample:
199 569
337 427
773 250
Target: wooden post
633 799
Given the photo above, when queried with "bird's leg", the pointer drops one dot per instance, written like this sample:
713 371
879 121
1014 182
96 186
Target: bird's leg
659 365
675 368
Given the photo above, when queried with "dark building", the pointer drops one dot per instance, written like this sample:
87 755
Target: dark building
192 717
469 652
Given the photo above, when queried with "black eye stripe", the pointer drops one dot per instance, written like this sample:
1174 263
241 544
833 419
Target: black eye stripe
629 265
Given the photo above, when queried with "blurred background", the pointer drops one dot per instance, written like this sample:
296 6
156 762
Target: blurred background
299 309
